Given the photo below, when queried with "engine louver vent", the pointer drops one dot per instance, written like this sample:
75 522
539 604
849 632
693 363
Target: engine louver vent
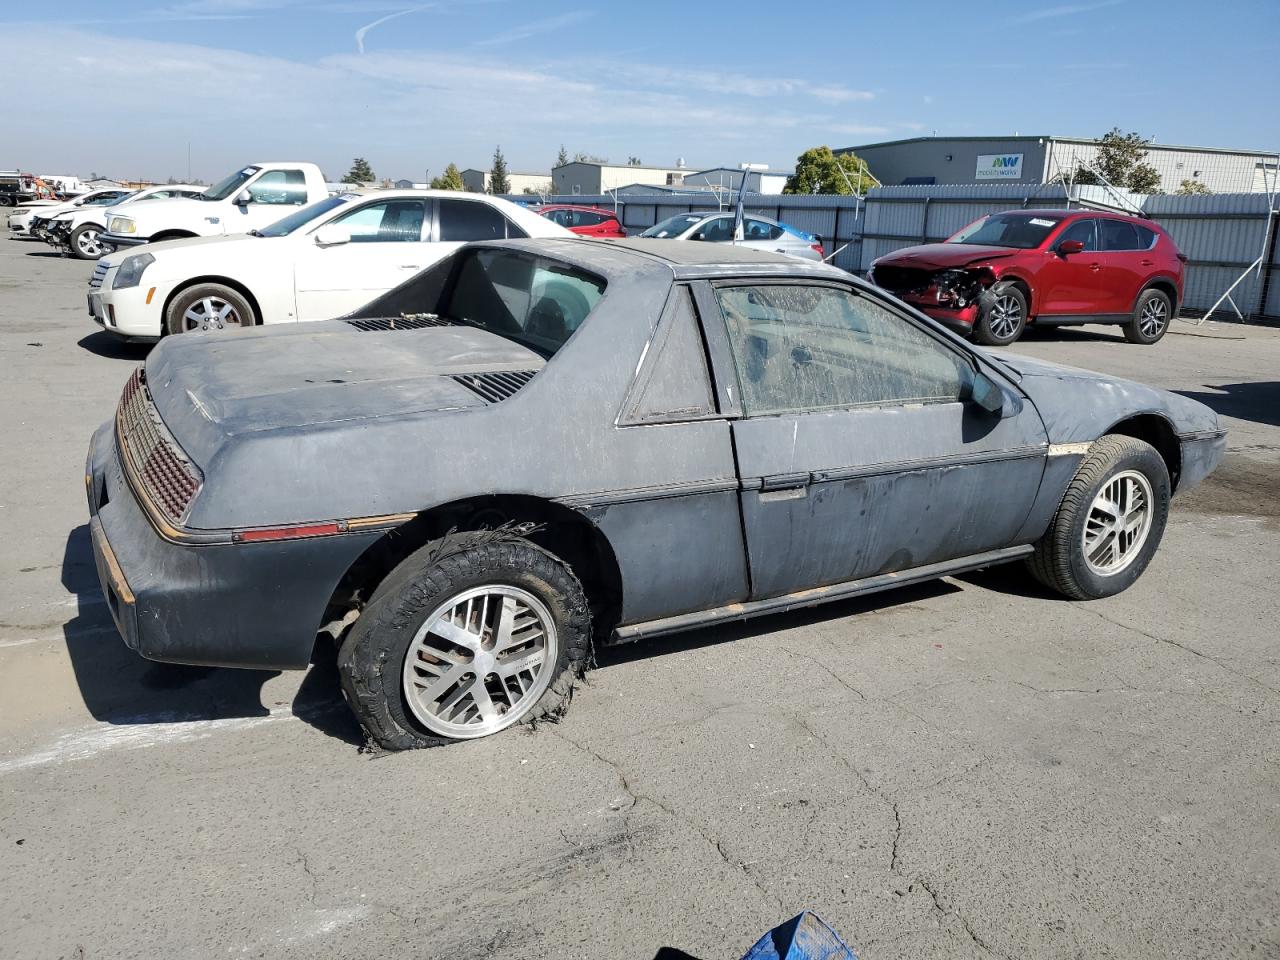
408 321
495 387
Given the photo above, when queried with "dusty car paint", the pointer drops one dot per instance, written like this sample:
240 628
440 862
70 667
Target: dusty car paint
708 514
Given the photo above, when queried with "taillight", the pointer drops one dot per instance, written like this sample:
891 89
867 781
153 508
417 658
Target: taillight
817 248
1183 257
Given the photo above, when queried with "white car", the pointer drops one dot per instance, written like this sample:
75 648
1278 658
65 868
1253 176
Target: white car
20 221
78 231
322 261
759 233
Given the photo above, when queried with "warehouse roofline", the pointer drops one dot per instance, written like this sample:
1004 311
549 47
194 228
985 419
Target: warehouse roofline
1086 141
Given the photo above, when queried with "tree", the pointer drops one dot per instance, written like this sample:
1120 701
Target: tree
634 162
1120 160
360 172
563 157
589 158
498 181
451 179
1191 187
819 170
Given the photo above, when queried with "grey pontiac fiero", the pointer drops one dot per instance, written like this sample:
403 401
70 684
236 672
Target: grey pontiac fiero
537 445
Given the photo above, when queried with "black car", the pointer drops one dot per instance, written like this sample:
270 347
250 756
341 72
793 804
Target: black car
534 446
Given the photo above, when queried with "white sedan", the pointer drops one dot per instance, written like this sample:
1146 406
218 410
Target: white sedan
322 261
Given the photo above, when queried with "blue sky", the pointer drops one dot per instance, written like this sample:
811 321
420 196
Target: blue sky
121 88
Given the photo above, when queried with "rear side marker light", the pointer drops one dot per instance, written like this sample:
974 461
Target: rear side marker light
288 533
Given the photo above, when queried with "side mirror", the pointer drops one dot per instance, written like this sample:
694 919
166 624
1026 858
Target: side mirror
1067 247
699 236
243 197
986 393
331 235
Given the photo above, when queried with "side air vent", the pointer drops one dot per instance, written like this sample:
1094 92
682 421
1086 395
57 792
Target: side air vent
495 387
406 321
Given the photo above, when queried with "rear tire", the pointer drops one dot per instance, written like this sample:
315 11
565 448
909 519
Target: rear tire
1150 318
1109 524
210 307
1002 318
471 635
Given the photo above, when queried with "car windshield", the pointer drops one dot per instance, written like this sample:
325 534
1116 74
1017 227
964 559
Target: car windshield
1023 231
106 199
303 216
536 302
228 187
673 226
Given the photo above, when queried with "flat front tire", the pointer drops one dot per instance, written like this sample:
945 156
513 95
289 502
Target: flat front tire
1002 316
469 636
1110 521
210 307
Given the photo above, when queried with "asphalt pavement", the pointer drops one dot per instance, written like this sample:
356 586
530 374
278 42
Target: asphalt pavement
970 768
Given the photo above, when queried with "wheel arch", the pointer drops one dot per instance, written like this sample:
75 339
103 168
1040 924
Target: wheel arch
1166 285
1156 430
171 235
235 285
562 531
1023 285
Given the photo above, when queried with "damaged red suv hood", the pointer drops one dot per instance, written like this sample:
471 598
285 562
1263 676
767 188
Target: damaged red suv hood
939 256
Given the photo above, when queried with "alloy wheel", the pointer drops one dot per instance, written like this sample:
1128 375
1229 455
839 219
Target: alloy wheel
89 245
480 661
210 313
1118 523
1005 317
1154 315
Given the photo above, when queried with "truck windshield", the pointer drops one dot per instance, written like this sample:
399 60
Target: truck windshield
303 216
536 302
1020 230
228 187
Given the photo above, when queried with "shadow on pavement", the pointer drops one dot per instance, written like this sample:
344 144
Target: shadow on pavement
742 629
1258 401
671 953
1050 332
48 253
113 348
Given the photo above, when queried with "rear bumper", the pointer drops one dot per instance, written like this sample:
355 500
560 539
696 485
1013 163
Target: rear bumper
237 605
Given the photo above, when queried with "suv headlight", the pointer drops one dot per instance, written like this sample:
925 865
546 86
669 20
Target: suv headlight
122 225
129 273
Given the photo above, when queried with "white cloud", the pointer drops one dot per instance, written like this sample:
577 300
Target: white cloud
526 30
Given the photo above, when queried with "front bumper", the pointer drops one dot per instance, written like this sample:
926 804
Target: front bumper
255 605
1201 454
127 312
118 240
962 318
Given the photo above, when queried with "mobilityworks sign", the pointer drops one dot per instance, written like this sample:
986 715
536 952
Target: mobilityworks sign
1000 166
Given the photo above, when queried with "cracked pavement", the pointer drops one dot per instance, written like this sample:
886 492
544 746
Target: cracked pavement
968 768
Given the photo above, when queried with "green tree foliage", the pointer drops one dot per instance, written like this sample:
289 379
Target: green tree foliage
360 172
1190 187
451 179
634 162
1121 159
498 181
818 170
563 157
589 158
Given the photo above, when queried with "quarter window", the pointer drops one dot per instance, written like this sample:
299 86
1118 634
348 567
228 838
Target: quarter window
760 230
389 221
466 220
284 187
802 348
1118 235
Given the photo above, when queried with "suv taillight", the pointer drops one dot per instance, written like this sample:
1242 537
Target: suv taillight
817 248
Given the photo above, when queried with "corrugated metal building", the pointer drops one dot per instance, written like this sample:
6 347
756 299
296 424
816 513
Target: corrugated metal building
477 181
1018 159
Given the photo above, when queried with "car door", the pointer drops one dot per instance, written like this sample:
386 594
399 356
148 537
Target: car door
1067 283
762 235
858 453
462 221
386 248
1121 270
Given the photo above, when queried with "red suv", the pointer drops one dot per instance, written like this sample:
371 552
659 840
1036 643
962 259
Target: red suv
1045 267
584 221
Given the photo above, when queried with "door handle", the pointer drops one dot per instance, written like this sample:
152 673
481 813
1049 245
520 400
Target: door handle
1095 267
1146 263
784 481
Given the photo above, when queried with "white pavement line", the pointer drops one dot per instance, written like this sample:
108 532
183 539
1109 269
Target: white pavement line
56 637
105 737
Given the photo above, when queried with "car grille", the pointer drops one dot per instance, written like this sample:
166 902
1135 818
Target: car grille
408 321
901 279
167 478
495 387
99 273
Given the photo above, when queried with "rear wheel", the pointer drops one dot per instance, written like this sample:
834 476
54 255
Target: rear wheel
85 244
209 307
470 635
1150 318
1002 317
1109 524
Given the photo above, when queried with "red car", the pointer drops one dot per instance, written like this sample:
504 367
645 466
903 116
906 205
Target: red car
1061 267
584 221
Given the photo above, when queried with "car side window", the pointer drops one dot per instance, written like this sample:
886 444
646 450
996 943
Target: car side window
1118 235
466 220
753 229
717 230
1083 230
801 348
389 221
285 187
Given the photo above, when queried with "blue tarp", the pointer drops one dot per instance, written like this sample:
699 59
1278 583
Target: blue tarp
803 937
